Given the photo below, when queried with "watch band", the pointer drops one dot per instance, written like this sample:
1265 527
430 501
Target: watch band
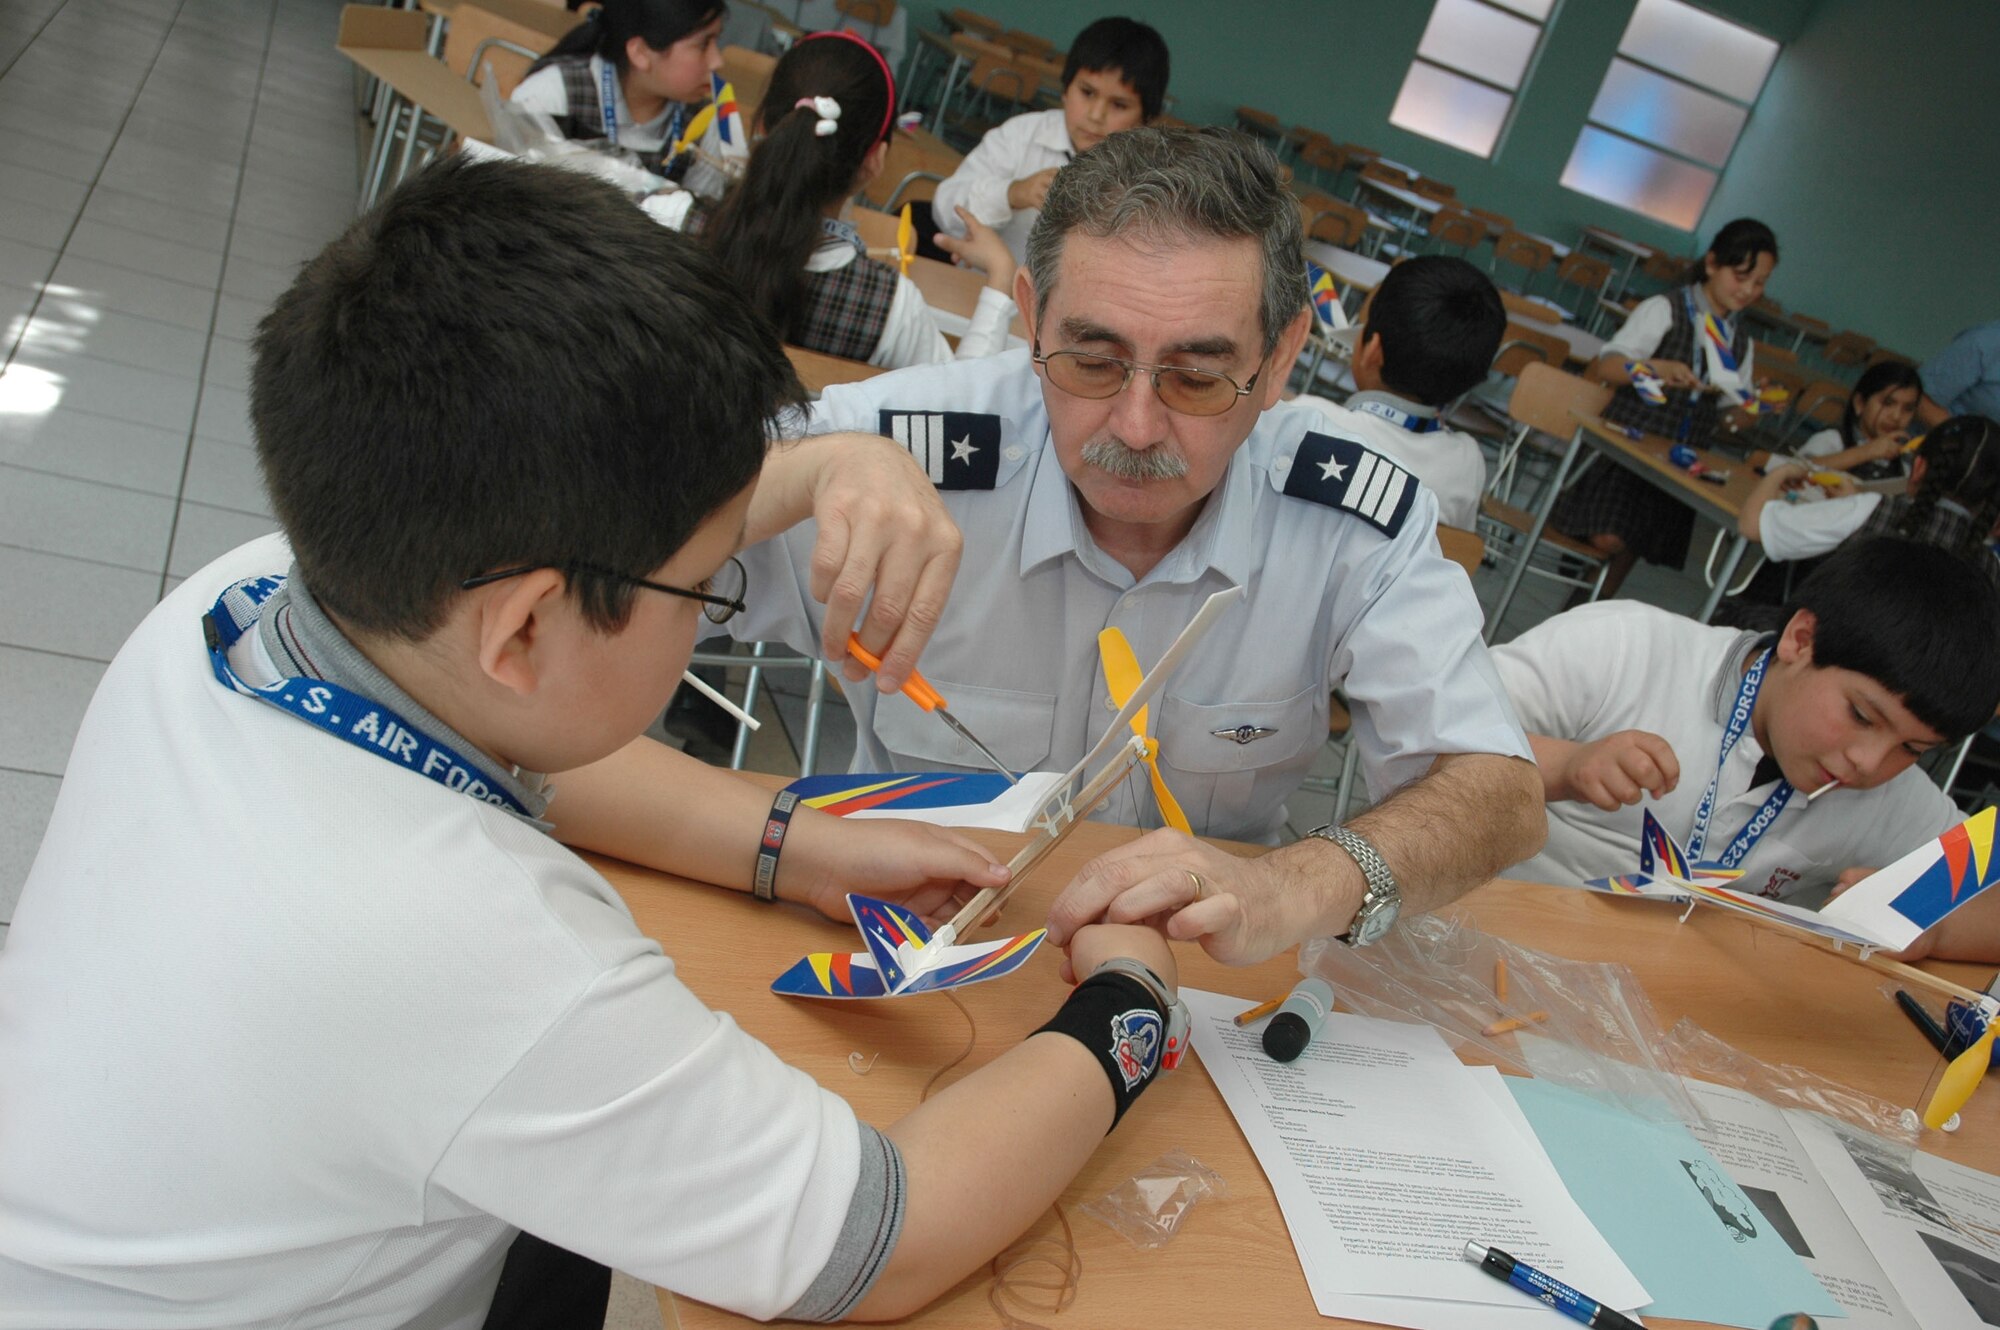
1180 1023
1383 900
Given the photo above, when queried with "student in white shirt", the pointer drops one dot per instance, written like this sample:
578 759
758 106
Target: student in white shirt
1868 441
628 78
307 1009
1953 501
825 125
1433 328
1115 78
1890 649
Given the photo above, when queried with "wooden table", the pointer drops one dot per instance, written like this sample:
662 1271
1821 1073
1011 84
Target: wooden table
819 371
1771 998
1416 208
1646 457
1354 272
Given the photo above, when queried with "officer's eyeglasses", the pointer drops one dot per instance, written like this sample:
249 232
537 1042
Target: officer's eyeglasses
721 596
1182 388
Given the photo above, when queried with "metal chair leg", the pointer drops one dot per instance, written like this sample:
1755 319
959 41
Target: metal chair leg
739 752
815 704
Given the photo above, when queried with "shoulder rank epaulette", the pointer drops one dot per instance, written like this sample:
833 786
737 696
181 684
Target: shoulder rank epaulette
1343 473
958 450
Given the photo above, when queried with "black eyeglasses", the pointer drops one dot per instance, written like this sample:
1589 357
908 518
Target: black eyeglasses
721 596
1182 388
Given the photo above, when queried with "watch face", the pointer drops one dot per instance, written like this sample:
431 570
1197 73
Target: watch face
1375 921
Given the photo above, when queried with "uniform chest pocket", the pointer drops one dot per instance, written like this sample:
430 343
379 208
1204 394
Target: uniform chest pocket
1216 738
1017 726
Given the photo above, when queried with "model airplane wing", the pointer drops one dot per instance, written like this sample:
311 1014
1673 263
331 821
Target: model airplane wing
897 962
1895 904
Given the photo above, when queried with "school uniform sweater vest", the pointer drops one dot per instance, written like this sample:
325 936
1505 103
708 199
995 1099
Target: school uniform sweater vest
846 310
584 121
1680 343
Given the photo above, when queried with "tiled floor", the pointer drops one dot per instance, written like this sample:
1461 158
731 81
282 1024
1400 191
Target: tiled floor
164 165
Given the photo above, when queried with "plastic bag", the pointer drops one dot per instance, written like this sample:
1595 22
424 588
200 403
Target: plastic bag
1444 972
519 133
1149 1208
1702 1056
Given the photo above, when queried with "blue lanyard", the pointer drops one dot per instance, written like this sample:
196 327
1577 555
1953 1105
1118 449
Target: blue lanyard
341 712
1415 424
840 230
608 108
1754 829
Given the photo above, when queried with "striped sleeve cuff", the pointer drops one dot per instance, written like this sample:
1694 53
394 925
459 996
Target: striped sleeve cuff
861 1252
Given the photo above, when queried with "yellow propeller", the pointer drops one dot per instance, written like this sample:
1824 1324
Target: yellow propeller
1122 673
1961 1078
906 242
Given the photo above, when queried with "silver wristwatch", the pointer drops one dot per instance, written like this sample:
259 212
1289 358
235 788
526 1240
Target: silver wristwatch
1383 900
1179 1022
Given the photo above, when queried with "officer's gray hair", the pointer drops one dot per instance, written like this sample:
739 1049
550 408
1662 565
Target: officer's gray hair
1155 184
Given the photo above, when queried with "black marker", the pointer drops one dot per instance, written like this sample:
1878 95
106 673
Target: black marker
1923 1020
1547 1288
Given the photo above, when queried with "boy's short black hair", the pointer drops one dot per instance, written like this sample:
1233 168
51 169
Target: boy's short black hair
1136 51
1440 320
505 364
1920 621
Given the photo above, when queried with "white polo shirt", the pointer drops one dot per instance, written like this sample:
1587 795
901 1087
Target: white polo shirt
1012 150
1618 665
294 1036
1790 531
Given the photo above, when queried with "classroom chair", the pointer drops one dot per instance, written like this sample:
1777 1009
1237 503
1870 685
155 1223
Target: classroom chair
872 12
478 39
966 20
1822 404
1326 159
1260 125
1847 350
1298 138
1454 226
1522 307
1385 174
1770 353
1585 273
1521 251
1496 222
1027 43
1337 222
917 162
749 72
1434 189
1542 403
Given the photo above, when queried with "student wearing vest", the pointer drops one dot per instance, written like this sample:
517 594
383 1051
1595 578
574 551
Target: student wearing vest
1676 334
823 135
628 78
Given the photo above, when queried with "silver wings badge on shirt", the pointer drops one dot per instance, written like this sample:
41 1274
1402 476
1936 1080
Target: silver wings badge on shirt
1244 734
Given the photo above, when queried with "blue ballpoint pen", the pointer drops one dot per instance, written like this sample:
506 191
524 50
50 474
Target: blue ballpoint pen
1546 1288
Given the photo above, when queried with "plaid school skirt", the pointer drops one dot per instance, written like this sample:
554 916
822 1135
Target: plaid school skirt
1653 525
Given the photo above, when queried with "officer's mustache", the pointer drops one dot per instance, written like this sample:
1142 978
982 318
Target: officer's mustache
1112 457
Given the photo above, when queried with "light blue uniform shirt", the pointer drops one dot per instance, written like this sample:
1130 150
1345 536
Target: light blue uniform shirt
1333 600
1964 378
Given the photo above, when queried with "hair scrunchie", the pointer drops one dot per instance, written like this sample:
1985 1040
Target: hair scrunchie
828 111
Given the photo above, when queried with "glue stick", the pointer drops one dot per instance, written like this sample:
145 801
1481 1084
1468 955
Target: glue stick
1298 1020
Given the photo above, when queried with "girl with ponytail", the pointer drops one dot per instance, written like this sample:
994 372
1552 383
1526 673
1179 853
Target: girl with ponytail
629 77
822 136
1953 502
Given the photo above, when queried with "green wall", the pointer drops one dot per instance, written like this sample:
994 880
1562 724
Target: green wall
1851 154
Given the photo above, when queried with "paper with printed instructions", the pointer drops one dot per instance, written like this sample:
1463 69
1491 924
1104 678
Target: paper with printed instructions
1387 1156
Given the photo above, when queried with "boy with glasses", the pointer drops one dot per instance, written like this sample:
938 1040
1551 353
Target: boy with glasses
306 1013
1138 459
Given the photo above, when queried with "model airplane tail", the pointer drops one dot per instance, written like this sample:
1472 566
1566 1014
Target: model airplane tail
896 962
1659 852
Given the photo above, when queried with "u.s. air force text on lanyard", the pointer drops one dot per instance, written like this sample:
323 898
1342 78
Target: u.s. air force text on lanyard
1753 830
608 108
341 712
1408 420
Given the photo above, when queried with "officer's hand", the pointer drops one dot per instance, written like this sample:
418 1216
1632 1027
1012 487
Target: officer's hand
1241 910
882 528
932 870
1613 771
1030 191
1094 944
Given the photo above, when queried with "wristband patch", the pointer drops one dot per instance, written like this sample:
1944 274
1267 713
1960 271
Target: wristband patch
1135 1044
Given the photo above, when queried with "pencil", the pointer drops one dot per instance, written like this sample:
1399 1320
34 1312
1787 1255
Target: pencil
1261 1010
1514 1023
1500 978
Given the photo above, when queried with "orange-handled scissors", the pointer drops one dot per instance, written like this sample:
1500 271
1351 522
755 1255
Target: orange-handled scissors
918 689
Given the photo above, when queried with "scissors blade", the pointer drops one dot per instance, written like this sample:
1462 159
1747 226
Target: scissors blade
973 739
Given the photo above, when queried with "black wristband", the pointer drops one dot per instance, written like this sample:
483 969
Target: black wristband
764 885
1119 1019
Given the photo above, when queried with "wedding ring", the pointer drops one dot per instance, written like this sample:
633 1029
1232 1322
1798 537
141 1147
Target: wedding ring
1199 885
